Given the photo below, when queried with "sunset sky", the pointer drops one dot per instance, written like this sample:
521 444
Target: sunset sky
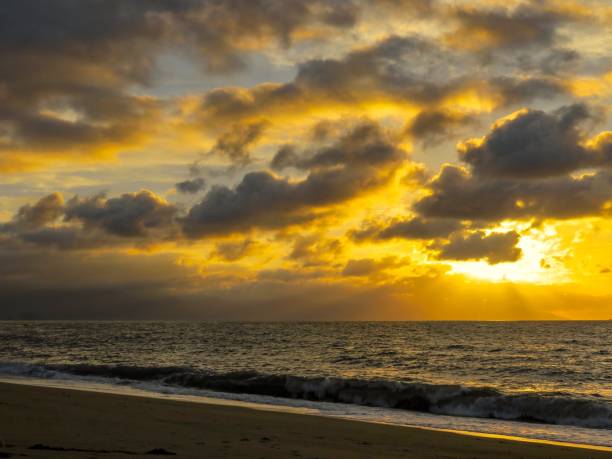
306 159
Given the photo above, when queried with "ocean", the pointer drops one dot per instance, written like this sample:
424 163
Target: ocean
539 380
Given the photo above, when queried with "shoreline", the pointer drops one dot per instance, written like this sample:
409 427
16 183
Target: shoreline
45 402
130 391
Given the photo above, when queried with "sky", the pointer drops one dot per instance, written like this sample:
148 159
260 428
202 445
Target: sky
306 159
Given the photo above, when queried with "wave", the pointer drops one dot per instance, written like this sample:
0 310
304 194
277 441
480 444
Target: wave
447 399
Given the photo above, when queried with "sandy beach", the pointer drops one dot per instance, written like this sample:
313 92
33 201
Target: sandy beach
42 422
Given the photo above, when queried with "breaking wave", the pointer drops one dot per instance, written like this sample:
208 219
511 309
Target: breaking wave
456 400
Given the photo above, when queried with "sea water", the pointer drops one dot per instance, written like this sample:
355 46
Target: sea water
541 380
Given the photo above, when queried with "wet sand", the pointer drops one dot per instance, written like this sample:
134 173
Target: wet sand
41 422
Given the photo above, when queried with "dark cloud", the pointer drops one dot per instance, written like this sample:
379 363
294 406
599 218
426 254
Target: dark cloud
233 251
62 238
130 215
521 170
366 144
155 287
363 158
516 90
419 7
191 186
68 68
236 143
434 126
529 37
64 70
37 283
260 199
529 24
533 143
551 61
389 65
93 222
224 31
458 194
286 156
363 267
46 210
401 69
218 30
418 228
315 250
493 247
413 228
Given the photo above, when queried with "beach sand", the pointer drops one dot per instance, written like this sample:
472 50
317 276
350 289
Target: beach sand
41 422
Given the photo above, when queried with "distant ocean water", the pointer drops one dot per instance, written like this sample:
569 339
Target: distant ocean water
552 379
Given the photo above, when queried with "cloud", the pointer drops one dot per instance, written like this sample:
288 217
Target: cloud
533 143
364 267
191 186
456 193
219 31
525 168
93 222
436 125
235 144
70 71
400 70
32 216
129 215
526 25
287 156
361 267
65 69
62 238
415 228
361 159
233 251
494 247
315 250
364 144
224 31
